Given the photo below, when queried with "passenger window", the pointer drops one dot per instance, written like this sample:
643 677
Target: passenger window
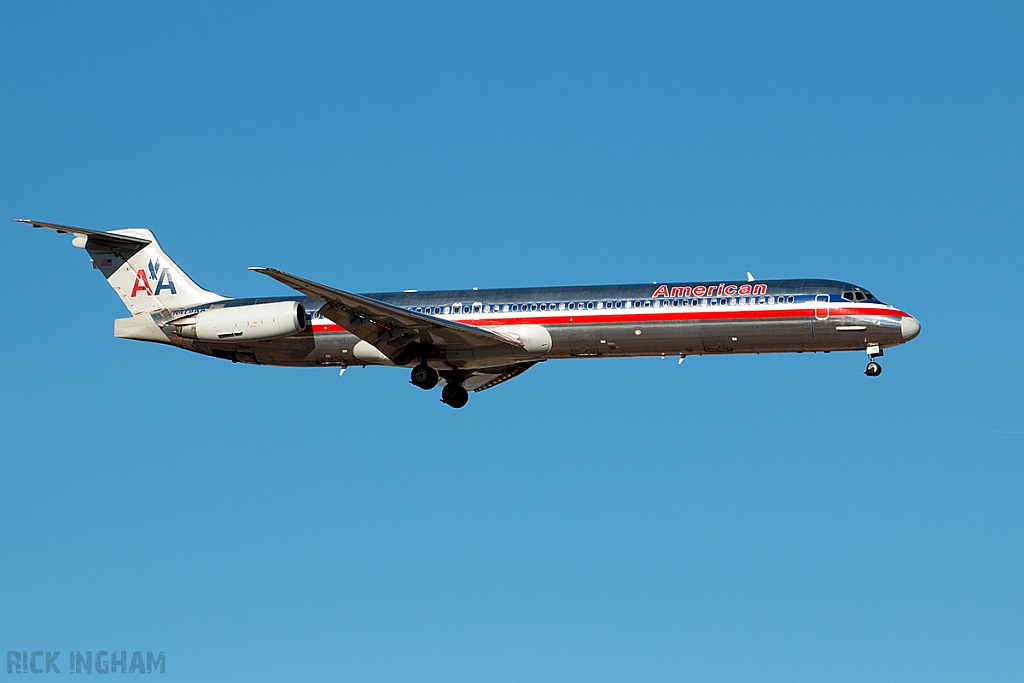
590 305
618 304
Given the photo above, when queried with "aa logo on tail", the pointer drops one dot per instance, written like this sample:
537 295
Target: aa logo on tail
161 276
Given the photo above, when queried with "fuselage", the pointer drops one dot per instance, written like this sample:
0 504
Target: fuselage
677 319
475 339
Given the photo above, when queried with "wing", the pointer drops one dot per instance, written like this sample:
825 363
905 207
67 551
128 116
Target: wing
398 334
95 238
481 380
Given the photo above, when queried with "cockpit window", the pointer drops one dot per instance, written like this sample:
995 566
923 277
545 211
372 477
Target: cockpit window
859 295
848 296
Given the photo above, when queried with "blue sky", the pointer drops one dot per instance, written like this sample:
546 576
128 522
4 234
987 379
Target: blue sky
731 519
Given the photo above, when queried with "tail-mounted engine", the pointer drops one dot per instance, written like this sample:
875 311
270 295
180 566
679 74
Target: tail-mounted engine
237 323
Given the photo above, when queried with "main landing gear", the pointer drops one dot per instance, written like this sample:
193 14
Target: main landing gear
873 369
454 395
424 376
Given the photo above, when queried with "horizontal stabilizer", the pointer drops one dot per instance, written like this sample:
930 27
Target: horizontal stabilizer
95 238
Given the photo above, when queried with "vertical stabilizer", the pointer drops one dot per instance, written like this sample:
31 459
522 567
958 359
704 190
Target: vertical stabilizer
145 278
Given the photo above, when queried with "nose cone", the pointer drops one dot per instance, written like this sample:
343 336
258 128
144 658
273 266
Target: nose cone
910 328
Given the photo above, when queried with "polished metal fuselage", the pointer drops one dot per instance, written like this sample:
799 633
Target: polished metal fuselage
608 321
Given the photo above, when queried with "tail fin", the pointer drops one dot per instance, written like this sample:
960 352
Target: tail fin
145 278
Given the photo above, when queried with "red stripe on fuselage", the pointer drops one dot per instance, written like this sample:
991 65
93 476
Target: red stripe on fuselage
655 315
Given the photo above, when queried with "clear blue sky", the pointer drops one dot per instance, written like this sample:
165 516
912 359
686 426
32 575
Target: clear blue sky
769 518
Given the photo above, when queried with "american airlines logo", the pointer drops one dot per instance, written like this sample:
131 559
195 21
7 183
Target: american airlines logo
721 290
161 276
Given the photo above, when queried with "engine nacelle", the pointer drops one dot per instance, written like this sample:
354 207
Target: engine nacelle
237 323
534 338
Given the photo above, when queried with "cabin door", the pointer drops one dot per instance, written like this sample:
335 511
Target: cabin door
821 307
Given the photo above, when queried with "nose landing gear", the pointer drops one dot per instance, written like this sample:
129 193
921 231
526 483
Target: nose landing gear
873 369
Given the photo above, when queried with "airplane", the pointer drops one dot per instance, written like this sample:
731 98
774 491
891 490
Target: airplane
475 339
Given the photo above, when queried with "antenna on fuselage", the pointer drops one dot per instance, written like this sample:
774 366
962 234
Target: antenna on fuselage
750 278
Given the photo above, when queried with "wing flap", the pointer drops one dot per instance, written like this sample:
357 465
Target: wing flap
481 380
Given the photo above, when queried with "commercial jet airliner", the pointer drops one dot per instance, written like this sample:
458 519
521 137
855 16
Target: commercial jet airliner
472 340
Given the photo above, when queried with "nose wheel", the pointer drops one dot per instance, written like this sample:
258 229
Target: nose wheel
873 369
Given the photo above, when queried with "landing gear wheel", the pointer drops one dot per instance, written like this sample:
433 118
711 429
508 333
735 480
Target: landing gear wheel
454 395
424 376
873 369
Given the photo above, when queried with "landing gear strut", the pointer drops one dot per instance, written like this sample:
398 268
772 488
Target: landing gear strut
873 369
454 395
424 376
